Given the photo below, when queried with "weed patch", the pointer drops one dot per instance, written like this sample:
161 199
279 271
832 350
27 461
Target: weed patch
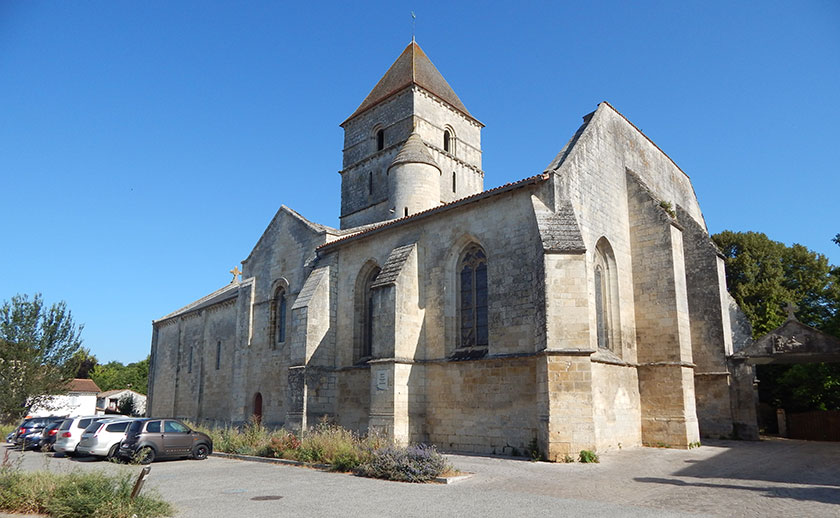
588 456
76 495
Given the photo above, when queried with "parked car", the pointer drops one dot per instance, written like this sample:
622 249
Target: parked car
32 425
102 438
42 439
70 433
148 439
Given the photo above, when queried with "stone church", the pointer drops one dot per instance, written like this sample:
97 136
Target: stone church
584 307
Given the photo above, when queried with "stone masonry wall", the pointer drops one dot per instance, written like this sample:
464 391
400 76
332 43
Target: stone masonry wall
485 406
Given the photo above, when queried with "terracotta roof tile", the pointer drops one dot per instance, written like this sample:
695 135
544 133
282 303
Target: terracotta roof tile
82 385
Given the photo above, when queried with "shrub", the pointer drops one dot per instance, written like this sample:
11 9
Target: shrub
76 495
419 463
588 456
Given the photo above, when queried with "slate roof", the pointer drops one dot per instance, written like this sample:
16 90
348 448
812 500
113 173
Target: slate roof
560 232
82 385
393 266
414 152
412 67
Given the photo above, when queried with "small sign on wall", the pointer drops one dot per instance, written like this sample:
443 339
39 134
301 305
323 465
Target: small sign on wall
381 380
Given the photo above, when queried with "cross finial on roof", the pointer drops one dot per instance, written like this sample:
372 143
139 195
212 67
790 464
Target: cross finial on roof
790 307
235 273
413 25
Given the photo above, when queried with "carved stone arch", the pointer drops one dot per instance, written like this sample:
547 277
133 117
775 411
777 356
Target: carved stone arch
278 321
606 297
363 311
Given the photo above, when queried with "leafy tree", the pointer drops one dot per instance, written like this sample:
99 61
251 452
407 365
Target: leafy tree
86 362
114 375
37 349
837 239
763 275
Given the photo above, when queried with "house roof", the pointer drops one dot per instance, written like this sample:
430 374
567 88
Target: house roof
413 67
82 385
109 393
414 152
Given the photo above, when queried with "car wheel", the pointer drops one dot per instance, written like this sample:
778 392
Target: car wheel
112 452
146 455
200 452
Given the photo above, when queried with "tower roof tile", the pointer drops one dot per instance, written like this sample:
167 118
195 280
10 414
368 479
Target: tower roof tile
412 67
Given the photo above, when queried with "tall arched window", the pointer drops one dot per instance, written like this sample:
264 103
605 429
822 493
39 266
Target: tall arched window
364 312
472 291
278 317
605 288
600 310
380 140
447 141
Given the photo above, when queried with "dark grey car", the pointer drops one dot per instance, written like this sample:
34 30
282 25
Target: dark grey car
149 439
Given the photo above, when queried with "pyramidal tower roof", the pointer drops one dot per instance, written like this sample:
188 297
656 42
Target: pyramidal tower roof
412 67
414 151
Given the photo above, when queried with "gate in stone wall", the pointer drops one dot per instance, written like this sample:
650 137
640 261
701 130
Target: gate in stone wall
795 342
819 425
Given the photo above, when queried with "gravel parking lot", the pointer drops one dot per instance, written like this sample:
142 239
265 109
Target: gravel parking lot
722 478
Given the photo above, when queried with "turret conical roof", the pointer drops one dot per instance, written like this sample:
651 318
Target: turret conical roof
414 152
412 67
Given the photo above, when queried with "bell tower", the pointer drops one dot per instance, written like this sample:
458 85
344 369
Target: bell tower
410 146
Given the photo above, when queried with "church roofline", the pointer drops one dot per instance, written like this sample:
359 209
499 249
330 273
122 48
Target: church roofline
228 292
642 133
435 210
315 227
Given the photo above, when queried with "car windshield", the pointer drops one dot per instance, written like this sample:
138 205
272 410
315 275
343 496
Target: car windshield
65 425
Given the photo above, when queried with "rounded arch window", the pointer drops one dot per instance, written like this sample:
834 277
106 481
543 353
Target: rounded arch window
380 139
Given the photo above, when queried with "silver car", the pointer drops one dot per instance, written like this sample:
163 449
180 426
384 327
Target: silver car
102 438
70 433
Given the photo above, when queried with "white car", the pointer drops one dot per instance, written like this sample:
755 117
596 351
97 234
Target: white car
102 438
70 432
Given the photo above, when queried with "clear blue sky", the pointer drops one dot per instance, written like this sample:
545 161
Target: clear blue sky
145 146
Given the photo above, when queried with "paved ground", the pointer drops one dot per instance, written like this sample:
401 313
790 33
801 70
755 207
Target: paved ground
770 478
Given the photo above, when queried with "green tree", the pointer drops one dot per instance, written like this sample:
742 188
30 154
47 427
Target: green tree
763 275
37 348
85 361
114 375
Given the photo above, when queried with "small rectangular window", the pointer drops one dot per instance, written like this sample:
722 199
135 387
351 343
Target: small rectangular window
218 354
189 365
